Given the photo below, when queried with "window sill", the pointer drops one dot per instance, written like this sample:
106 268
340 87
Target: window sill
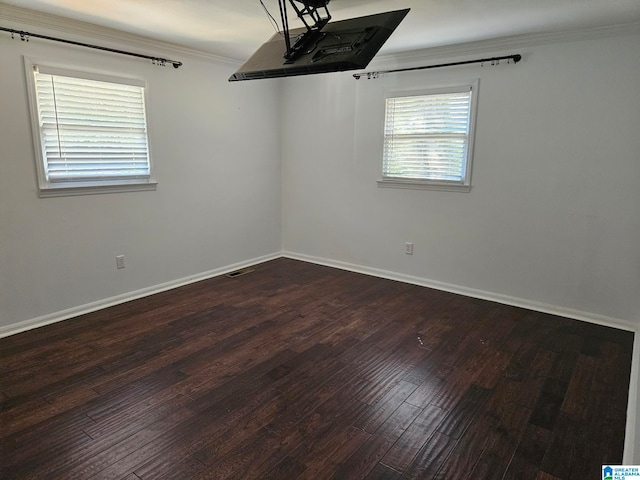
67 189
424 185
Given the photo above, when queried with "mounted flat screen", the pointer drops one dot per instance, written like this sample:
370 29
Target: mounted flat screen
339 46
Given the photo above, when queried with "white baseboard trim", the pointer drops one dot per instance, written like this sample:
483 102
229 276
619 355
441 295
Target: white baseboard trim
425 282
470 292
55 317
631 455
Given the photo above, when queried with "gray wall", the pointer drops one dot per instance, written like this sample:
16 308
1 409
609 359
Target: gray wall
552 218
215 150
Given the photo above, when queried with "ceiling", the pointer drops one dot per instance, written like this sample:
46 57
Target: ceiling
236 28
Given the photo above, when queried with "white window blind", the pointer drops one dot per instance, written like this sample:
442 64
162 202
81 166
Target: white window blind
91 130
427 137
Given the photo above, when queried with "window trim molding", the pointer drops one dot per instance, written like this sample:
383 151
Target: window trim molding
80 188
61 189
439 185
415 184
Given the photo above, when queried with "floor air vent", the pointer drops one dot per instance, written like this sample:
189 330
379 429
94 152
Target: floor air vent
238 273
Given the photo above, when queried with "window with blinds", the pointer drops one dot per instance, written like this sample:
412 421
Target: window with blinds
92 131
428 138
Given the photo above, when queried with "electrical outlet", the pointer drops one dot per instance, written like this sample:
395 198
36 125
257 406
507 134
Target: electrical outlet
408 248
120 261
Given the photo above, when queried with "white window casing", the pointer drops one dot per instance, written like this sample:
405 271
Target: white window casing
428 138
90 132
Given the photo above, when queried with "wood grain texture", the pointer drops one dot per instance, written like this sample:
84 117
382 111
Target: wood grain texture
298 371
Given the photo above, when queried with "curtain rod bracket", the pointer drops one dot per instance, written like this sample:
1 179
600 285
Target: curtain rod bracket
25 36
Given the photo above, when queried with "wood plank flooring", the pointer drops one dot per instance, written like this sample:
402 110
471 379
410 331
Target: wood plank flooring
298 371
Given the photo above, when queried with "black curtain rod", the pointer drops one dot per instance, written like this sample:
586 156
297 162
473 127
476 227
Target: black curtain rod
24 36
494 60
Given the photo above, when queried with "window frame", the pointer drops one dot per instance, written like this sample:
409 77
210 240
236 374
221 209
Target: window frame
48 188
419 183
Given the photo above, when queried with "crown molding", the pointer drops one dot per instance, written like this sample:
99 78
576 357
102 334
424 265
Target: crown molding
23 19
501 44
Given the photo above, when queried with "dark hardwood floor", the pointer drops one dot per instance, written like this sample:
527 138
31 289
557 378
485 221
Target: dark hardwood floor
302 371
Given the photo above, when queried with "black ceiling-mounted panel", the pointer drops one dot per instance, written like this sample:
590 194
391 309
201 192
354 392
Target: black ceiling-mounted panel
339 46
